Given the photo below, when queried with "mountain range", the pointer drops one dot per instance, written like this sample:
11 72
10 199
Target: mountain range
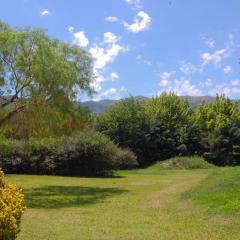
101 106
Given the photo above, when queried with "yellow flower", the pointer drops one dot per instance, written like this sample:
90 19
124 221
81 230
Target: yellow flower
12 206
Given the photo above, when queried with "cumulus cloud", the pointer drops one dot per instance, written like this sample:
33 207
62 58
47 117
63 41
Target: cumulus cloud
104 54
210 43
45 12
114 76
235 82
136 3
227 69
111 19
141 22
215 58
188 68
181 86
165 78
219 55
71 29
107 54
141 60
111 93
80 39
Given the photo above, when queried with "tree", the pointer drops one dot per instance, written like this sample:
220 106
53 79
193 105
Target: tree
172 130
170 109
216 115
36 69
126 124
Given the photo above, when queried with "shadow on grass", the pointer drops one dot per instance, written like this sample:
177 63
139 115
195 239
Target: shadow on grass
67 196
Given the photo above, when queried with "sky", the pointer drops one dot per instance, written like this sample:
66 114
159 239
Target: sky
144 47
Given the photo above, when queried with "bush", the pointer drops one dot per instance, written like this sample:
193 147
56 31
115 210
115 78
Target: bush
85 154
12 207
127 160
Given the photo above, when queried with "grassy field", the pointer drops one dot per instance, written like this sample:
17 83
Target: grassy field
149 204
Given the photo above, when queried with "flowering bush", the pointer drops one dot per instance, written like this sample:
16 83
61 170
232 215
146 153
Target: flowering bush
12 207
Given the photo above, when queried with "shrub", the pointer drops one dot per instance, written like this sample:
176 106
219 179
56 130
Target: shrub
127 160
12 207
84 154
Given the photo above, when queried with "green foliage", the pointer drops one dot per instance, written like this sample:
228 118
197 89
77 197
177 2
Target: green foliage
40 79
170 109
222 147
216 115
154 129
85 154
194 162
126 124
219 192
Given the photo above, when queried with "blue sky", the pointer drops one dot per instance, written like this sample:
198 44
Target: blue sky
145 47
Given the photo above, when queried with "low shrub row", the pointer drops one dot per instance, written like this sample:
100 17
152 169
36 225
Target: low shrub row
84 154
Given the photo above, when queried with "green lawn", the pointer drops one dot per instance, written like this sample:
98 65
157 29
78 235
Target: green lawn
150 204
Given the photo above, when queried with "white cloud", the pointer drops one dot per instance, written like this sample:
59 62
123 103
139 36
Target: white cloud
80 39
110 38
111 19
180 86
187 68
114 76
165 78
71 29
143 61
107 54
216 58
230 90
183 87
103 55
235 82
227 69
140 23
45 13
111 93
136 3
210 43
208 82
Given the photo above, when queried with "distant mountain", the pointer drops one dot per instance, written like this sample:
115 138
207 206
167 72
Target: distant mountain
101 106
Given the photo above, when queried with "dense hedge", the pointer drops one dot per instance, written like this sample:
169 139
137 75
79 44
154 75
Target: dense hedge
12 207
85 154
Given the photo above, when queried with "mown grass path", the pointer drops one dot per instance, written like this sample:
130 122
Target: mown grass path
139 205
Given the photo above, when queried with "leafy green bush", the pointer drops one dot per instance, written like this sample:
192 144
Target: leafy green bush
85 154
12 207
127 160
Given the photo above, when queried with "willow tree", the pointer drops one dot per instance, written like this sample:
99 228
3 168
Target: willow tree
36 69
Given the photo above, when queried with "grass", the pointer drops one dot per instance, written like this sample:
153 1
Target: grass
219 192
141 204
194 162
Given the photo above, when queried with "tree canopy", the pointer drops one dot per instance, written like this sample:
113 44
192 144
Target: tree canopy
36 69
